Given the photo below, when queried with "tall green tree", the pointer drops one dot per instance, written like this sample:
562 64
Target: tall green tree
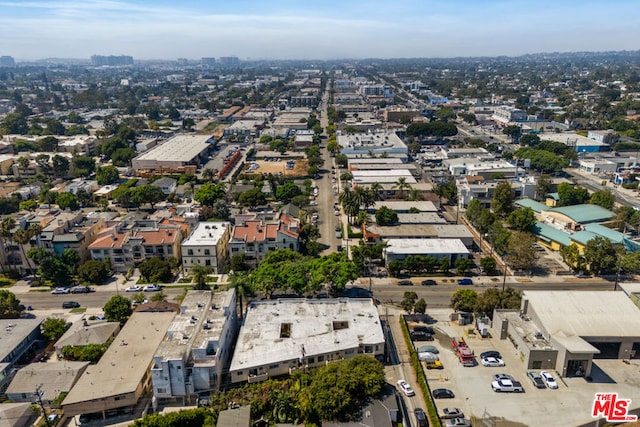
53 328
464 300
601 256
521 252
522 219
604 198
502 202
117 309
10 307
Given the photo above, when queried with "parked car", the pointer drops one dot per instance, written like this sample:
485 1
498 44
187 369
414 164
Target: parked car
448 413
465 281
549 380
442 393
81 290
425 329
70 304
151 288
406 388
502 377
60 291
428 349
133 288
458 422
421 336
492 362
428 282
421 417
536 379
405 283
490 353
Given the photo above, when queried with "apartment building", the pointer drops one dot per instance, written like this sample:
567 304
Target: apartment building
207 246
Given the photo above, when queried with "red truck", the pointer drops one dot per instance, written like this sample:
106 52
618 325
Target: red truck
465 355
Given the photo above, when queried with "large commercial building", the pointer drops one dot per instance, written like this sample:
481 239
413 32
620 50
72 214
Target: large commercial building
282 336
372 144
180 153
197 348
115 384
207 246
566 330
451 249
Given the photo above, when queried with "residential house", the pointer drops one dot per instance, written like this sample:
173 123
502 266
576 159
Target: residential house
207 246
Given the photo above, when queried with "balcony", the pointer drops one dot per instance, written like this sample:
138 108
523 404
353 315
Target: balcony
258 378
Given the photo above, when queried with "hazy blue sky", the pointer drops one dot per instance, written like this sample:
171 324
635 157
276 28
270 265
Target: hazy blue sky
322 29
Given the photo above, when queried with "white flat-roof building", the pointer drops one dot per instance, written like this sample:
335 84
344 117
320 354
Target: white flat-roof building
399 249
207 246
181 150
402 206
566 330
282 336
197 347
376 143
368 177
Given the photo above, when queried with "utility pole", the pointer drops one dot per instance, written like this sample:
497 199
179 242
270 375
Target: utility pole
39 402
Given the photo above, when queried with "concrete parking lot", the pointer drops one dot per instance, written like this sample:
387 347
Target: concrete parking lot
569 405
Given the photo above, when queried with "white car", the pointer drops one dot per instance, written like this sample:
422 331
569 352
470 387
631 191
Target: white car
134 288
492 362
151 288
406 388
548 378
60 291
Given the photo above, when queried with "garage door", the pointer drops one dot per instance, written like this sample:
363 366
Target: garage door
608 350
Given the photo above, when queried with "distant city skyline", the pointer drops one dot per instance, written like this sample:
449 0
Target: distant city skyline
287 29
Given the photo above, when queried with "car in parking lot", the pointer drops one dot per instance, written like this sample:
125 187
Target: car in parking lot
405 283
70 304
492 362
465 281
421 336
406 388
133 288
442 393
421 417
60 291
490 353
448 413
428 282
428 349
425 329
457 422
549 380
536 379
151 288
502 377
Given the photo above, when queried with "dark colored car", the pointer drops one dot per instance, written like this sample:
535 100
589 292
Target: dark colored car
70 304
405 283
536 379
465 281
490 353
428 282
421 336
442 393
421 417
425 329
81 290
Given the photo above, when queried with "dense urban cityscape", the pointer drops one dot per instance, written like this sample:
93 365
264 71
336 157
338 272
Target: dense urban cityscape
370 242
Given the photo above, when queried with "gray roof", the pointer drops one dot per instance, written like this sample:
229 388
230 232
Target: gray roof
124 365
94 333
13 332
239 417
53 378
585 313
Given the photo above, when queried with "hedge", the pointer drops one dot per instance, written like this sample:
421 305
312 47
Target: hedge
434 419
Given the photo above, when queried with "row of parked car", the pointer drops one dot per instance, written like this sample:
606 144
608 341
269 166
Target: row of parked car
72 290
431 282
146 288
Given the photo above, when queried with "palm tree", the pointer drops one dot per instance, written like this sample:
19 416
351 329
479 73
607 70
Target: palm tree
6 228
401 184
207 175
348 201
415 194
199 277
376 191
22 237
241 282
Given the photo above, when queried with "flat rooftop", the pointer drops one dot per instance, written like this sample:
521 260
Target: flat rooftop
585 313
426 246
311 327
13 332
125 363
401 205
180 148
206 234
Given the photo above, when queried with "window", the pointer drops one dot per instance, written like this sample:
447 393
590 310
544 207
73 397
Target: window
285 330
311 360
349 351
320 358
239 373
274 366
207 252
207 262
189 251
161 390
